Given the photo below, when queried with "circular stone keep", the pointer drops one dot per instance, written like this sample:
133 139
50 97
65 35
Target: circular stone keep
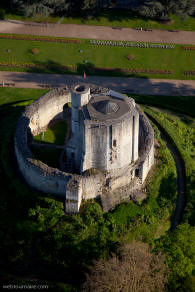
106 107
109 133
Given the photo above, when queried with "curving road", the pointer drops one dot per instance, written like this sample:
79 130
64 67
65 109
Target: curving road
96 32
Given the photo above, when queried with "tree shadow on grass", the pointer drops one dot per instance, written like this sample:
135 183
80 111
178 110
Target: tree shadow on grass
119 15
111 15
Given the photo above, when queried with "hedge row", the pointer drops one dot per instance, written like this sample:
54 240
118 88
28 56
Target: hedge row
189 72
36 66
129 44
38 38
131 70
192 48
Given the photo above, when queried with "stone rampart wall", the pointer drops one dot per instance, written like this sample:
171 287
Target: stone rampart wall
50 180
35 117
146 152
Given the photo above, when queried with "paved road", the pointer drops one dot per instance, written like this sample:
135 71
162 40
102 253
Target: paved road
97 32
122 84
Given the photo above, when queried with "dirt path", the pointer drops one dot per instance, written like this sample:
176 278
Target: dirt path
96 32
122 84
181 184
181 196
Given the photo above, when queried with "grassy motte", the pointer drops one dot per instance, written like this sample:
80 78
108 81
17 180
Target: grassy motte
53 56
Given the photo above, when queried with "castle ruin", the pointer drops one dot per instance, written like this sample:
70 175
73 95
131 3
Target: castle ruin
109 153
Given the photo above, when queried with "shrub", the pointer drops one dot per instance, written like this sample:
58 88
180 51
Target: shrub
123 272
130 57
39 38
2 14
35 51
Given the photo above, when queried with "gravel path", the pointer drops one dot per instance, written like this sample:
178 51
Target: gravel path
122 84
97 32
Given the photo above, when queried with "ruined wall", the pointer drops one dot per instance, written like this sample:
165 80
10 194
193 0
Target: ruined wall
146 151
46 108
37 174
53 181
36 116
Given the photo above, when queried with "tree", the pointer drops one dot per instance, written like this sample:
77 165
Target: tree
2 14
184 7
179 246
161 9
90 6
135 269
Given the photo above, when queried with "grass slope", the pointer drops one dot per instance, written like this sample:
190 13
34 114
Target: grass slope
182 132
53 56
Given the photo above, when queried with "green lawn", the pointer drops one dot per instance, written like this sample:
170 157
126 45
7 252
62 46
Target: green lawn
9 96
118 18
54 134
53 56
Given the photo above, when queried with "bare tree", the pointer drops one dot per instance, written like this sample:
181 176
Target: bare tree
135 269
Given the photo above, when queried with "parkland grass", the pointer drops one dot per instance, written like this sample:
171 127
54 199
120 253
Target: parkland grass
52 57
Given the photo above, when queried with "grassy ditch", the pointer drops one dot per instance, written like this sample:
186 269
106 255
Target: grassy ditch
182 134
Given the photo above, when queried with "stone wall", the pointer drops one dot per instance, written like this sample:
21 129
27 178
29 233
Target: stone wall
50 180
35 117
44 109
37 174
146 151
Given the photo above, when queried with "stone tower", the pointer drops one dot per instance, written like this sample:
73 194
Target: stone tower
80 96
105 131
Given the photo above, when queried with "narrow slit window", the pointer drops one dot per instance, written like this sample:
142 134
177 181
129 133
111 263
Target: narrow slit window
114 143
